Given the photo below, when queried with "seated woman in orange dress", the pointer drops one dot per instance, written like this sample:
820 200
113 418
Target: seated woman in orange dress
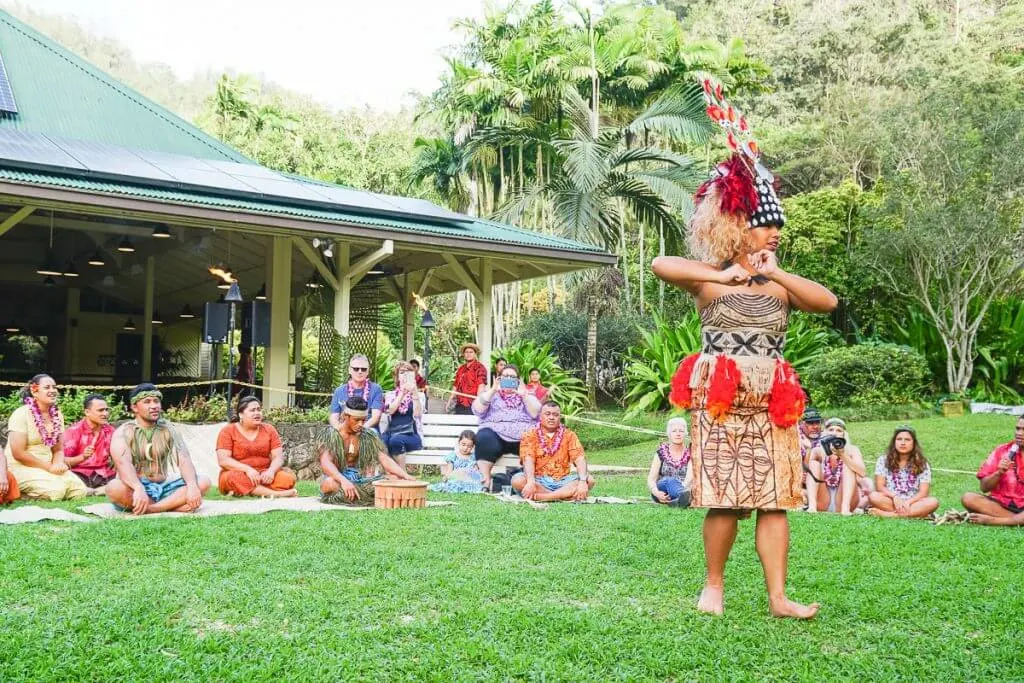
250 456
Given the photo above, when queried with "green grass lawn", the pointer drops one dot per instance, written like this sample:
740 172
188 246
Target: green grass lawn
491 591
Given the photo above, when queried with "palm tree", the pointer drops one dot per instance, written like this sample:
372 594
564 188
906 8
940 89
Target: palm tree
597 293
597 174
443 163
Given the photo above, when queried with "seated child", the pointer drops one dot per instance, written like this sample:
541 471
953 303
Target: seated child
459 469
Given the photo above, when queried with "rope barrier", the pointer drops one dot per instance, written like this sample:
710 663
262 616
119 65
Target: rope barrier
436 389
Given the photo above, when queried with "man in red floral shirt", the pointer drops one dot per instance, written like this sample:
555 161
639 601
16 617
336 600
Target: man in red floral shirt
547 453
469 377
1001 477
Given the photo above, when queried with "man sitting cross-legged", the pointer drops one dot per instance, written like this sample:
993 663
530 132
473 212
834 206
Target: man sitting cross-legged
547 453
154 470
350 456
1001 477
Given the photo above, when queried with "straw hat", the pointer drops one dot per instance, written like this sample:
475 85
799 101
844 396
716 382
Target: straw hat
469 345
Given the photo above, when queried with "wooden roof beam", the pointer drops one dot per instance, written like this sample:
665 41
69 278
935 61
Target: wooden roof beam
317 263
15 218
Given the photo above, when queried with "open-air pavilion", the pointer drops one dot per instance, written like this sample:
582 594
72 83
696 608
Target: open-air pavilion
113 210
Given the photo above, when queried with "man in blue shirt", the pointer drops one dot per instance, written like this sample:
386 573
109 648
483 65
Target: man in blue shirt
359 384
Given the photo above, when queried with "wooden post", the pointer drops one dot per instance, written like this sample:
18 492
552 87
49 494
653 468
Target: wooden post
342 295
275 365
485 324
147 320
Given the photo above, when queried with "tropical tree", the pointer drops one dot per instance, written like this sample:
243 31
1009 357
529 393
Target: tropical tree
598 175
597 293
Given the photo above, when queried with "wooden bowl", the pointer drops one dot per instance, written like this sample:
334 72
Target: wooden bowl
399 493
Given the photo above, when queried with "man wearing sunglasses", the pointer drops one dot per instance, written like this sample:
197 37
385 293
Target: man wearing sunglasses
358 384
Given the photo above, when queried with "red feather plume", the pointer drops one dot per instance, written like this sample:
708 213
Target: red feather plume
725 381
681 395
736 187
787 400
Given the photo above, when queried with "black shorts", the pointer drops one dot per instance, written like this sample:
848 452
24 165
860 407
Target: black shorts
1015 509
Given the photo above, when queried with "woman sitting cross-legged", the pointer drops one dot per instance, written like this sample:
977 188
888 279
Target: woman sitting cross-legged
251 457
902 479
403 407
35 445
459 471
666 478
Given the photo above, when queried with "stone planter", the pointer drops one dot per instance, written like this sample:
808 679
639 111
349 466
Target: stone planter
952 408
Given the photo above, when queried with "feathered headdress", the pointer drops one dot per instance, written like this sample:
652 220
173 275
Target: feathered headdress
745 186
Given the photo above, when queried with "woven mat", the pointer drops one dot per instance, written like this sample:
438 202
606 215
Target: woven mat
240 506
537 505
34 513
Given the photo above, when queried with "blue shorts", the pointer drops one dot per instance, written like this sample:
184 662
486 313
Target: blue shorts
552 484
158 490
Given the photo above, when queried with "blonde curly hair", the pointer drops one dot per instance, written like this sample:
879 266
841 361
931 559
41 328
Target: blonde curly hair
715 237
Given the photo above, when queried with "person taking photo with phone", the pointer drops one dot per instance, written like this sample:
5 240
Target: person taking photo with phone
505 410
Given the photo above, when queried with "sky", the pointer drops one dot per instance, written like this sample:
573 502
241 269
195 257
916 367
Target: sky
343 53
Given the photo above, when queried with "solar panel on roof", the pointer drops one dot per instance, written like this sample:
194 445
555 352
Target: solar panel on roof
30 150
110 160
249 181
348 197
7 103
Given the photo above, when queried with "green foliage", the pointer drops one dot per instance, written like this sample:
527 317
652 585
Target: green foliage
868 374
999 368
651 364
566 389
200 409
384 361
654 361
566 331
290 415
70 404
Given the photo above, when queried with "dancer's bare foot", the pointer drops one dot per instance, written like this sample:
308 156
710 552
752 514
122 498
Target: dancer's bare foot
712 600
786 608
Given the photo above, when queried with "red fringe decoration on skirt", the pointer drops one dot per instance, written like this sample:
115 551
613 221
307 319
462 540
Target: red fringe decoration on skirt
725 382
787 400
680 394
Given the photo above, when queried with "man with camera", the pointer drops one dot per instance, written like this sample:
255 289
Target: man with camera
1001 477
837 472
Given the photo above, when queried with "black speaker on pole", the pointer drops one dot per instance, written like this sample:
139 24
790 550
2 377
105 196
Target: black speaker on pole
215 322
256 323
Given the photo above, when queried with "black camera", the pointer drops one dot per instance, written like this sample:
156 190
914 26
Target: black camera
832 443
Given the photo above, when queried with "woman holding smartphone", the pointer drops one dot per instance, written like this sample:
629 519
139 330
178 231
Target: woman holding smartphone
506 410
404 408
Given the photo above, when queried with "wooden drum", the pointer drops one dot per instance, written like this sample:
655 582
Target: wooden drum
399 493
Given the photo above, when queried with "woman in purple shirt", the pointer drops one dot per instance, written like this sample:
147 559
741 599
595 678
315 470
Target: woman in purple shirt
505 410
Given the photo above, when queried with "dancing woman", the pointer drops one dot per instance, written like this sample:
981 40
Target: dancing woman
745 399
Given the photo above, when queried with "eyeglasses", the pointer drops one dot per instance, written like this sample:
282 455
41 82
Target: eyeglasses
359 369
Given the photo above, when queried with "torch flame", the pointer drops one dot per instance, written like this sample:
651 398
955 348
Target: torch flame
222 272
419 301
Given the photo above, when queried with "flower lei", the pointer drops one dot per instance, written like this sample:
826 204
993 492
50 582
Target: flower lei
403 407
832 475
554 444
352 389
665 455
512 400
49 438
904 482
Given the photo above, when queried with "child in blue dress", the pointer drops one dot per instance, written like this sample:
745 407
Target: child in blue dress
459 470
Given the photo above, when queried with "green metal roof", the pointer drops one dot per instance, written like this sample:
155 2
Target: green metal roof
60 94
472 229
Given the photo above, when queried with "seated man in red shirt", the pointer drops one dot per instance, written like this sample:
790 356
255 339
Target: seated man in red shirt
547 453
1002 478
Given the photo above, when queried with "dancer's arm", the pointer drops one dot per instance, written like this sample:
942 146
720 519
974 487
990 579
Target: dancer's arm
691 275
805 295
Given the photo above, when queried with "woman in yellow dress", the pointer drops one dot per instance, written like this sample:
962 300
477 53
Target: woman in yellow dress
745 400
35 450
